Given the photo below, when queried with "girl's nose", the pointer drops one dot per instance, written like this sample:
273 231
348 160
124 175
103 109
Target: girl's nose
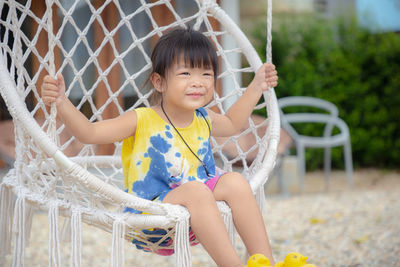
196 81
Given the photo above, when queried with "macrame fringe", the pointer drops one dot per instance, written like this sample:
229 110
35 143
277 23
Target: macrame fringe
29 211
6 214
66 230
181 246
230 227
260 198
76 238
117 253
54 241
19 231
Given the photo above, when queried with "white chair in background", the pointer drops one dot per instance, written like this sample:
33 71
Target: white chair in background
328 140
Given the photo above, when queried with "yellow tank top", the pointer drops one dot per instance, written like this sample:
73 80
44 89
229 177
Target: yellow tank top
156 160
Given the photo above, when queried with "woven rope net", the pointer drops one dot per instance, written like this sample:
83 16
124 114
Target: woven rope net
102 48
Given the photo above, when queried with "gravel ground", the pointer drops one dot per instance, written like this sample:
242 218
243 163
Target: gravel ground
342 227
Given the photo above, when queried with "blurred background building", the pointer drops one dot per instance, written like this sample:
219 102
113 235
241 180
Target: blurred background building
383 15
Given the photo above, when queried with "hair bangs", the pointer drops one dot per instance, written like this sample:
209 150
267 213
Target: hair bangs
197 53
192 46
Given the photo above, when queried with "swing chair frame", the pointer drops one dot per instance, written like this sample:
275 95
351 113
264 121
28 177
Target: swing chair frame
55 162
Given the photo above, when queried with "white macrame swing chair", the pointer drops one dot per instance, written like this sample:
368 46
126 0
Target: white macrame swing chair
87 187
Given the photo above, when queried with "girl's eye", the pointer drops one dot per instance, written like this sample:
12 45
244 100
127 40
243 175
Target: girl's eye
185 73
208 74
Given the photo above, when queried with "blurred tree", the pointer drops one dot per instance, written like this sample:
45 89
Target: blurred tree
349 66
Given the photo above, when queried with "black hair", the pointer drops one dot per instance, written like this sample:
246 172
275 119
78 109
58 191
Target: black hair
197 51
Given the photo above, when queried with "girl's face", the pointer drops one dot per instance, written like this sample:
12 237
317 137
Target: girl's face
187 88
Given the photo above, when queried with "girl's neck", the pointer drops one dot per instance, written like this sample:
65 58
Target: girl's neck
180 118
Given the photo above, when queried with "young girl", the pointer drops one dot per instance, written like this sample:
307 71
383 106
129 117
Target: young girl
166 153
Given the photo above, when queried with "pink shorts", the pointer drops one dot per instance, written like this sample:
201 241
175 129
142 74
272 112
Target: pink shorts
158 233
211 183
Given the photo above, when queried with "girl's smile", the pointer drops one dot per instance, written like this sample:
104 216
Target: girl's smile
195 95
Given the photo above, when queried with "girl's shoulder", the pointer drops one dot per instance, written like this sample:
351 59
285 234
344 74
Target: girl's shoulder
147 115
202 112
144 111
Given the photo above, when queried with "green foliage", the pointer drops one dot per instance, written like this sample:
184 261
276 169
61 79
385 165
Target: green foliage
356 70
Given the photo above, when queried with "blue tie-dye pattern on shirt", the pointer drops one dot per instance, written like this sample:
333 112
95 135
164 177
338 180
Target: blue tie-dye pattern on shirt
168 134
156 179
160 143
205 150
208 161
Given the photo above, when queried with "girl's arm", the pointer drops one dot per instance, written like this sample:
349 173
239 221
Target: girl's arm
102 132
237 115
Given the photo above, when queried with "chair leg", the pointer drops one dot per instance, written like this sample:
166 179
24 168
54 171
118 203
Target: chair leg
348 161
279 176
277 171
301 165
327 166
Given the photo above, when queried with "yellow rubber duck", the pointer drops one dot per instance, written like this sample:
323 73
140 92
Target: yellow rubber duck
258 260
294 259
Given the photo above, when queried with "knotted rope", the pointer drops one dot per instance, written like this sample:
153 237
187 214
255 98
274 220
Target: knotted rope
52 129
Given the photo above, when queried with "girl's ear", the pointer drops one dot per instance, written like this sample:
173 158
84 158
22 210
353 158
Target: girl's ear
157 81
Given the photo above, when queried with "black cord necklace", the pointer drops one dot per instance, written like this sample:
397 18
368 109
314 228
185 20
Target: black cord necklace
176 130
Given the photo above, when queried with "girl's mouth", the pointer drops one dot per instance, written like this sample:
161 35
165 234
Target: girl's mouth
195 95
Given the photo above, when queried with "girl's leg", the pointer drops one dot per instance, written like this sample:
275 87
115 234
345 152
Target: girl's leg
206 221
235 190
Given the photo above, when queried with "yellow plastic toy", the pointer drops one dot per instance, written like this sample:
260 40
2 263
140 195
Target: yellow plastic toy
258 260
294 259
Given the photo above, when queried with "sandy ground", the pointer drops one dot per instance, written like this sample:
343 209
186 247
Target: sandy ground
342 227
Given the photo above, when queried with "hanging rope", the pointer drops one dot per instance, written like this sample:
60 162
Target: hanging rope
76 238
19 230
269 33
260 195
117 250
54 240
52 130
6 214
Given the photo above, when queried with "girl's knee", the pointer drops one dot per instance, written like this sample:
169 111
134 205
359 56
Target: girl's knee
197 188
233 184
237 181
194 193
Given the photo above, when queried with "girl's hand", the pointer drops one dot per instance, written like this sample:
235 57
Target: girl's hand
266 77
53 90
